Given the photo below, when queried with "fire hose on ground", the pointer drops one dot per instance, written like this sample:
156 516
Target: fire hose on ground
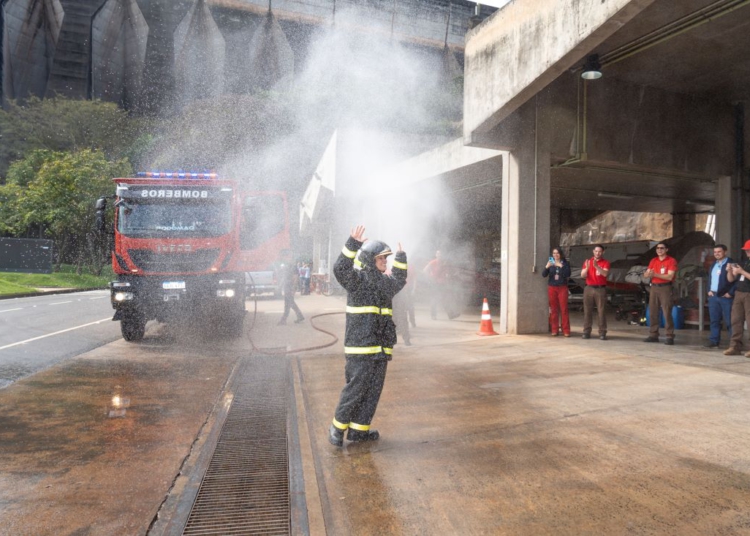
248 331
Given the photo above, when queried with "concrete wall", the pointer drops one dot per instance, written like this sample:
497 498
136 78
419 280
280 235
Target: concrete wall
632 126
57 60
526 45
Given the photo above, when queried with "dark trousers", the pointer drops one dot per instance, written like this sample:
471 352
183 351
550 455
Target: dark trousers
660 298
559 319
365 377
594 297
740 313
290 304
400 316
720 312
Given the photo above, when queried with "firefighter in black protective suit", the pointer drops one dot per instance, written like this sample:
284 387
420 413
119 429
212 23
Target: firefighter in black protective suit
370 332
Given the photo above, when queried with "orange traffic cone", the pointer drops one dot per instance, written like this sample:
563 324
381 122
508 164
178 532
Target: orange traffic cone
485 326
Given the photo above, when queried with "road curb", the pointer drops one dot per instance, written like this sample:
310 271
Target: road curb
50 292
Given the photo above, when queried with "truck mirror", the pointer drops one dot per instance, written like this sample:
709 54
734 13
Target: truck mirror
101 204
100 221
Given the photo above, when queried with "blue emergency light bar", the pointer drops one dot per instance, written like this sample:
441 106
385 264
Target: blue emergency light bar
175 175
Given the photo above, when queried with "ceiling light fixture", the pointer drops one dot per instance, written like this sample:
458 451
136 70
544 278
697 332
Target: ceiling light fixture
613 195
592 69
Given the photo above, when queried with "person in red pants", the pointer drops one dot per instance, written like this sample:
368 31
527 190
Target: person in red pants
557 271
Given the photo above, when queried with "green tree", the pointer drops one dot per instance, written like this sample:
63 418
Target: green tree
55 192
61 124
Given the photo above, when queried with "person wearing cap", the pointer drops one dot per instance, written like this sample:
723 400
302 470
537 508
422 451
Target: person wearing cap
741 305
595 271
661 270
720 295
370 332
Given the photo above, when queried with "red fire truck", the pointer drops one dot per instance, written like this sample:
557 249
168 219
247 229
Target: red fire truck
182 245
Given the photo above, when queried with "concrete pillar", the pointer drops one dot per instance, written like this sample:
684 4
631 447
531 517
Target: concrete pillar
555 226
526 225
727 216
682 224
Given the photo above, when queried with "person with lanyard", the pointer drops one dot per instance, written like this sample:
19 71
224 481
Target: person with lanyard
661 270
741 305
558 272
720 296
595 271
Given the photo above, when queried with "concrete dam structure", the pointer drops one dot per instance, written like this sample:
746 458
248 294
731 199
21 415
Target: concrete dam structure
148 54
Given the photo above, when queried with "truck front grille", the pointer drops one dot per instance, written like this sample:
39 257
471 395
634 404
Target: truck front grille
196 261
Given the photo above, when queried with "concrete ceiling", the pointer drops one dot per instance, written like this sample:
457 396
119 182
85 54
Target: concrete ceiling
709 59
699 48
607 189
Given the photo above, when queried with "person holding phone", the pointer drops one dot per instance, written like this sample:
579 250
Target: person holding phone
557 271
741 305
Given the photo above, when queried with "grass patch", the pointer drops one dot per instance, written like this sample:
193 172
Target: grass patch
12 283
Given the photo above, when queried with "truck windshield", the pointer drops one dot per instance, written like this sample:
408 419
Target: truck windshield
181 218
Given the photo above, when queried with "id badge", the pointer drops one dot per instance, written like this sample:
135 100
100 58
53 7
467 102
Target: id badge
663 270
742 278
557 277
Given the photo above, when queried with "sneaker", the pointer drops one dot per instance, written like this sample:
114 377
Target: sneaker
282 322
554 334
603 337
566 334
732 351
711 345
586 336
299 320
747 354
669 342
651 339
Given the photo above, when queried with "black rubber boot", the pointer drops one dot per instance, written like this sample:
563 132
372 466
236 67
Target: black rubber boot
357 436
336 436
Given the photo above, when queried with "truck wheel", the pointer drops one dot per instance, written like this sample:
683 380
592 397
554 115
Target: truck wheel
133 328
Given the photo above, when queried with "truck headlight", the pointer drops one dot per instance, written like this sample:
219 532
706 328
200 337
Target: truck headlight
123 296
225 293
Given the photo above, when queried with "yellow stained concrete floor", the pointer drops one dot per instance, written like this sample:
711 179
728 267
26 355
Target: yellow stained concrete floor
480 435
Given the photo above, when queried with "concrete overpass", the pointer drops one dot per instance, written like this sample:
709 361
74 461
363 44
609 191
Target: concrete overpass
662 130
193 48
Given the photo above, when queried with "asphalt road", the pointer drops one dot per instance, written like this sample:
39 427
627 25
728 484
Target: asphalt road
40 331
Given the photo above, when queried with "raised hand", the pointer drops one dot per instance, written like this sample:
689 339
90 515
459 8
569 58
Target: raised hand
400 249
358 233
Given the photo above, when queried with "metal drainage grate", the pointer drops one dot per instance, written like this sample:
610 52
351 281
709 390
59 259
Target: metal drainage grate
246 487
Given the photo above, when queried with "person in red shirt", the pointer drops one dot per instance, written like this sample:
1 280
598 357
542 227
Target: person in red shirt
661 270
440 275
595 271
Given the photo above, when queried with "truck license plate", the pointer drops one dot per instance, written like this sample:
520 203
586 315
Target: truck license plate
173 285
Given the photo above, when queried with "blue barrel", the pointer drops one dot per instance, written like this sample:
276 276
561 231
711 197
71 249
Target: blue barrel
678 317
661 318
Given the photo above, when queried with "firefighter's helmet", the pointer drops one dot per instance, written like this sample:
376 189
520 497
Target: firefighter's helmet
369 250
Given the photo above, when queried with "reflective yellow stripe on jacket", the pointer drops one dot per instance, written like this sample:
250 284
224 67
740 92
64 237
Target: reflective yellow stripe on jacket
401 265
369 309
348 252
368 350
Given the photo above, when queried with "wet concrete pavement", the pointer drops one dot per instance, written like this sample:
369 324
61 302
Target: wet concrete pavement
480 435
540 435
92 446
